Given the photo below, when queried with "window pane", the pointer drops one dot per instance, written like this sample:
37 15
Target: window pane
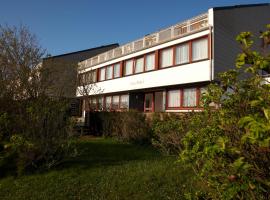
139 65
109 72
150 62
174 98
93 103
124 101
102 74
108 102
200 49
166 58
182 54
94 76
100 103
128 67
190 98
115 102
116 71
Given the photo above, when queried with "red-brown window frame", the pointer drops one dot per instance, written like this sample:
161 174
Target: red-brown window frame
197 107
158 59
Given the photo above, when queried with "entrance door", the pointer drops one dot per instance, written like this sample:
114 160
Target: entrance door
148 102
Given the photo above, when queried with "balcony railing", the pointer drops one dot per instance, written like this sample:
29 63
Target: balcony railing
173 32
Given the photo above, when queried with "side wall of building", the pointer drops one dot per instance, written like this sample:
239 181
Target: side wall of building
228 23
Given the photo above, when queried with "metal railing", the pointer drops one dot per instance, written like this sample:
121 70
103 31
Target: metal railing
164 35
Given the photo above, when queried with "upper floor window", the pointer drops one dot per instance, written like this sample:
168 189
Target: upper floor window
190 97
182 54
166 58
139 65
149 62
109 72
102 74
116 70
200 49
174 98
128 67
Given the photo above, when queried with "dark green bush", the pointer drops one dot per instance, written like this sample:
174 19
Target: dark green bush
128 126
38 138
169 130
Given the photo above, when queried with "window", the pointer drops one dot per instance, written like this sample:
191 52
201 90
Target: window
150 62
94 76
173 98
109 72
200 49
148 104
166 58
100 103
94 103
108 102
102 74
182 54
190 97
139 65
128 67
116 70
115 102
124 101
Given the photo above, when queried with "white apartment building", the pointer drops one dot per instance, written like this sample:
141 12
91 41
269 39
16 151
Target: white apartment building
166 71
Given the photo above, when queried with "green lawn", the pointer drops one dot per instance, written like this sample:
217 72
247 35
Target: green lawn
106 169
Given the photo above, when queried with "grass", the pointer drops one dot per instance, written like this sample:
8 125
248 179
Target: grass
106 169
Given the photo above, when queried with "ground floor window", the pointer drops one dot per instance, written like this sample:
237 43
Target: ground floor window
190 97
173 98
184 98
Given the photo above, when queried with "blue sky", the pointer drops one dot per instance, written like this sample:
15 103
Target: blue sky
67 25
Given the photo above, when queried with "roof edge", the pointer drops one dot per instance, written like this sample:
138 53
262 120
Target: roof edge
241 6
91 49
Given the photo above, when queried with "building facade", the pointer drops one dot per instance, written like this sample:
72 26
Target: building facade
167 71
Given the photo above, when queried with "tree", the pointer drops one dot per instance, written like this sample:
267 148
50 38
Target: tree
34 128
229 148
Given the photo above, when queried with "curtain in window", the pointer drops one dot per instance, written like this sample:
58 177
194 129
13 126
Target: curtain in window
139 65
94 76
150 62
124 101
182 54
128 67
109 72
200 49
100 103
166 58
189 97
108 102
174 98
102 74
115 102
116 72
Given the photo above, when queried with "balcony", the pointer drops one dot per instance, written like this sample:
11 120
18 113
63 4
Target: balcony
179 30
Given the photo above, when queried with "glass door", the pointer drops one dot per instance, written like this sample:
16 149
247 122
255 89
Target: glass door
148 102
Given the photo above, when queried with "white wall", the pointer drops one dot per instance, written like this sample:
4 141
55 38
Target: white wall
189 73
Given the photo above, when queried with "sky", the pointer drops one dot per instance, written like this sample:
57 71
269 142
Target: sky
63 26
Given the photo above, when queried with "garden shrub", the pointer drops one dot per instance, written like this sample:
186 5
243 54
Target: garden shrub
229 148
169 130
38 138
130 126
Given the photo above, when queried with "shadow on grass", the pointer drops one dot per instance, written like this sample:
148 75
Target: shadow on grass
99 152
